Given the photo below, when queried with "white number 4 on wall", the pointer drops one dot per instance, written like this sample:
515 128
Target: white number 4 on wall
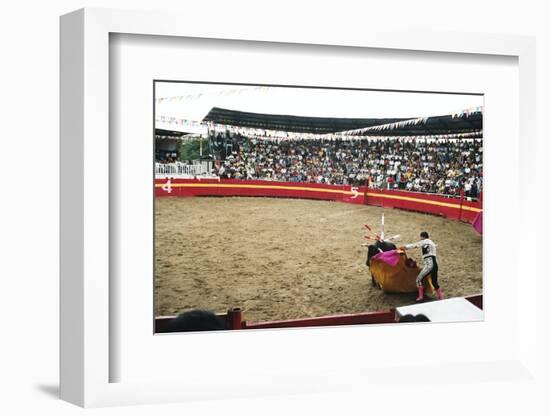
167 187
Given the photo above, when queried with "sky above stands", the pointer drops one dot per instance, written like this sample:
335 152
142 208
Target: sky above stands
194 101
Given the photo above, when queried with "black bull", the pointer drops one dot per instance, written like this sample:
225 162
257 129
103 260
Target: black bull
375 248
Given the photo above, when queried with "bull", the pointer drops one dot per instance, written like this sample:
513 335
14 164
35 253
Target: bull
374 249
398 278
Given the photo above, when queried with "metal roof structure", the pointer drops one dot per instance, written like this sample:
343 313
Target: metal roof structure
436 125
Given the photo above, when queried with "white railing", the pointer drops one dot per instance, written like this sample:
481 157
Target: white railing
181 170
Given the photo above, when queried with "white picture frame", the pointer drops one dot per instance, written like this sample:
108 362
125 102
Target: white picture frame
85 221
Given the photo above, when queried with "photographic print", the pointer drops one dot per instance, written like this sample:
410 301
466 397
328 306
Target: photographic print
288 206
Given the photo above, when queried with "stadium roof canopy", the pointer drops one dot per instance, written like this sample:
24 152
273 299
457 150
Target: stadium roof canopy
444 124
170 133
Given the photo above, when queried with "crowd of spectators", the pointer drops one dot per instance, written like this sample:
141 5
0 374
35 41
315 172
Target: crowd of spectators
166 157
434 166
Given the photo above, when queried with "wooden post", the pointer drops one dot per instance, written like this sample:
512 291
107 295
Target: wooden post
461 202
234 318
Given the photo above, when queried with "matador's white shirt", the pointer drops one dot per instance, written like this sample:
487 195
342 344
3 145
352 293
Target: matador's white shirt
428 247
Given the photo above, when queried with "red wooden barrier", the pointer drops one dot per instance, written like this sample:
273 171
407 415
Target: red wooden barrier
234 187
234 320
233 317
452 208
384 317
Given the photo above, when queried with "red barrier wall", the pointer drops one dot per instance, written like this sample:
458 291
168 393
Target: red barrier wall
234 187
382 317
452 208
234 320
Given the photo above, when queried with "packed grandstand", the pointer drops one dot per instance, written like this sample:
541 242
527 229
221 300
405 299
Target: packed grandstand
443 167
440 154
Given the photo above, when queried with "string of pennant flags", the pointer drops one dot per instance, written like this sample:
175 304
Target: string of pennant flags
274 135
267 134
344 135
468 112
410 122
288 135
387 126
178 121
224 93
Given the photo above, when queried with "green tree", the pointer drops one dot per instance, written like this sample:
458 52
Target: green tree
190 150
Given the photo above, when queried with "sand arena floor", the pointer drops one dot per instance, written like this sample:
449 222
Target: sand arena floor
292 258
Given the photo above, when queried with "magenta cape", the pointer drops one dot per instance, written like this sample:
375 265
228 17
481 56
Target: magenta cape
389 257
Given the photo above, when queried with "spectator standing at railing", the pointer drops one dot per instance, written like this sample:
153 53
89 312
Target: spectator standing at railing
473 189
391 182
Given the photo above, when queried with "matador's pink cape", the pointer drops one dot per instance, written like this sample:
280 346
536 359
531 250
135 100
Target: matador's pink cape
389 257
478 222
